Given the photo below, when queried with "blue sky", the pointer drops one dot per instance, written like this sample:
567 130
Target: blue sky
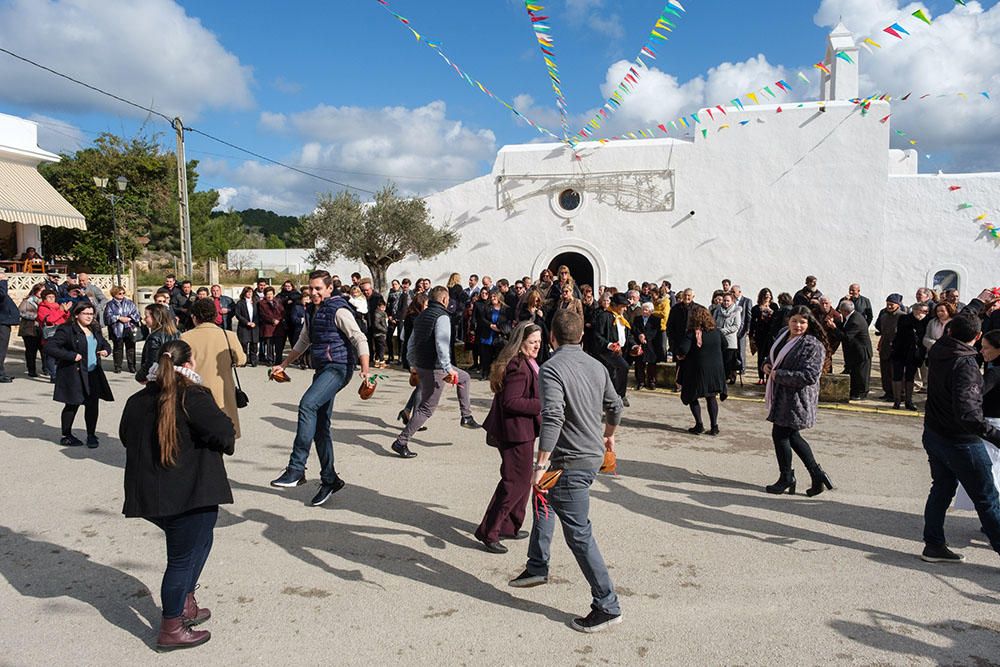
344 90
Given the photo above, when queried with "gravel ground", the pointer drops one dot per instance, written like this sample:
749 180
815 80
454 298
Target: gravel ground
710 569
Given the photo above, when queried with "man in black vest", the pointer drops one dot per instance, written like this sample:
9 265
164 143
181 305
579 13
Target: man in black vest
429 354
334 341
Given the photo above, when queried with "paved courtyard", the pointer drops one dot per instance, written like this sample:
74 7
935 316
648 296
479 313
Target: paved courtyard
710 569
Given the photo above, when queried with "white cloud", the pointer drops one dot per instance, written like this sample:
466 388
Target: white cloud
420 149
592 13
958 53
58 136
151 52
273 122
283 85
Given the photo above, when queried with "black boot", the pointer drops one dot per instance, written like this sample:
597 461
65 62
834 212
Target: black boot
130 358
908 396
786 482
897 394
820 480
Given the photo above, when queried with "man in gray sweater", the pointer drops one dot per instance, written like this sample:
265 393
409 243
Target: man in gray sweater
576 391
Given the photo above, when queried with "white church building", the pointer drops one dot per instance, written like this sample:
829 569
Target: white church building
814 189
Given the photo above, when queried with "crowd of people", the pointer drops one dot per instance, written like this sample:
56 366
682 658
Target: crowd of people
558 356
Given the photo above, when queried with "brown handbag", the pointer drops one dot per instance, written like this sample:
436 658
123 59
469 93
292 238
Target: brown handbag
549 479
610 464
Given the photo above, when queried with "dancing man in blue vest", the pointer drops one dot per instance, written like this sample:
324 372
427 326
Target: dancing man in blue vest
335 343
429 353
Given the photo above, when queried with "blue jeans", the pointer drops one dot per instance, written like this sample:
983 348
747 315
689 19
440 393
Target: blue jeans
315 413
569 499
189 541
953 462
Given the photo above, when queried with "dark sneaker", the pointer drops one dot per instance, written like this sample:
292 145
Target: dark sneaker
528 580
469 422
93 442
596 621
70 441
325 491
5 379
940 554
289 479
403 451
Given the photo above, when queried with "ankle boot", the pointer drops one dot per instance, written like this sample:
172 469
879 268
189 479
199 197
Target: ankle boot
908 397
897 394
193 614
786 482
819 480
175 635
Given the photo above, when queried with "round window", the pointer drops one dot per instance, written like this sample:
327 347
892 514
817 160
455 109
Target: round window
569 200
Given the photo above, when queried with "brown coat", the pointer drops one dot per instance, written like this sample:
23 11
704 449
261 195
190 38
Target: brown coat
213 363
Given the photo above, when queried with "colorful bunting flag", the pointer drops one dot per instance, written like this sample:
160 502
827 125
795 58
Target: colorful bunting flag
871 42
546 44
885 119
822 67
963 206
953 188
804 77
843 55
892 32
922 16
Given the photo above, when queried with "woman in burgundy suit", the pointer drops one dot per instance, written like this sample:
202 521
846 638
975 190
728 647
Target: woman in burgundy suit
512 426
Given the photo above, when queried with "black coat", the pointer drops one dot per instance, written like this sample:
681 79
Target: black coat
863 305
151 351
677 324
198 477
73 382
244 333
760 328
954 407
908 345
654 338
485 319
606 332
704 368
856 342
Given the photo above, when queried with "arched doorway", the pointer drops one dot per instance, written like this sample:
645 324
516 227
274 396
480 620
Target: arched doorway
579 267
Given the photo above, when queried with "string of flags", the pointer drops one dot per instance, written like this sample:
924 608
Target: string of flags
462 74
543 33
657 36
896 29
988 228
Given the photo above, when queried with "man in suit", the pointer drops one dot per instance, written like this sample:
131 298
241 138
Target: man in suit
612 341
745 305
647 331
861 303
857 345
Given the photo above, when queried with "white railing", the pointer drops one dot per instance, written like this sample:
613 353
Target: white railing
20 284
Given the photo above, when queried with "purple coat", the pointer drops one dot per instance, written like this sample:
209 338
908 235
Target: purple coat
516 413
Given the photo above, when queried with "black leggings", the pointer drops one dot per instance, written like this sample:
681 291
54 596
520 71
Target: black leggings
713 410
786 440
90 411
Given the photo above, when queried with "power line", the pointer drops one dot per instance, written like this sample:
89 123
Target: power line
171 122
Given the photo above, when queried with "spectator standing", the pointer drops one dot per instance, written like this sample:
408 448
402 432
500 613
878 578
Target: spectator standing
613 340
857 346
576 390
885 328
937 326
808 294
162 329
862 304
759 332
78 347
181 302
272 328
728 320
907 355
247 325
9 317
380 332
122 319
746 306
391 301
174 436
29 329
170 285
224 307
51 314
648 332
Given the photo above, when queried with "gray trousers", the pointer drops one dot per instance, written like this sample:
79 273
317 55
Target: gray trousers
569 500
432 385
4 343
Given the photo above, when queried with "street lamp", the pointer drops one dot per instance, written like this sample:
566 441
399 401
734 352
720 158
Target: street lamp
121 183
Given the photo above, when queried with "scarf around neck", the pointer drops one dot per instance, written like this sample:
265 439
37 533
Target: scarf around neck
180 370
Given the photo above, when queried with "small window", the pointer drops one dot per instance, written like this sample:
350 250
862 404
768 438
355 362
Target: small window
946 279
569 200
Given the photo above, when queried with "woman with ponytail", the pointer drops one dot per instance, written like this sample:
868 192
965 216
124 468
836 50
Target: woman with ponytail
175 478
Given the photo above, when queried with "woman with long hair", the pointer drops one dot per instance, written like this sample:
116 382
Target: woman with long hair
943 313
491 328
122 318
704 369
512 426
78 347
247 321
534 311
793 368
29 330
162 326
760 330
174 436
272 328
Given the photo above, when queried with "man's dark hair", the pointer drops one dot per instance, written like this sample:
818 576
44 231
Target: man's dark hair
185 282
320 273
162 290
567 327
203 310
474 276
169 276
503 282
964 328
356 275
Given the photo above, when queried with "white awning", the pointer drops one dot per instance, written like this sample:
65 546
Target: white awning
26 197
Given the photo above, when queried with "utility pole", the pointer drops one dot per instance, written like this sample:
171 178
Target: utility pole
185 213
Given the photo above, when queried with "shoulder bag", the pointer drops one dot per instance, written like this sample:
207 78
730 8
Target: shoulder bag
242 400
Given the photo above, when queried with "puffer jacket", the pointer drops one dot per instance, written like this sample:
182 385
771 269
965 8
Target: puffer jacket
728 322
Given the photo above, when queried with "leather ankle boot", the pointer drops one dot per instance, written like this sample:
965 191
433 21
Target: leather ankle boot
786 482
897 395
175 635
193 614
820 480
908 397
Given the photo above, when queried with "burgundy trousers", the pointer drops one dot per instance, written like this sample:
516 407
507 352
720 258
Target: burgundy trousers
505 513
